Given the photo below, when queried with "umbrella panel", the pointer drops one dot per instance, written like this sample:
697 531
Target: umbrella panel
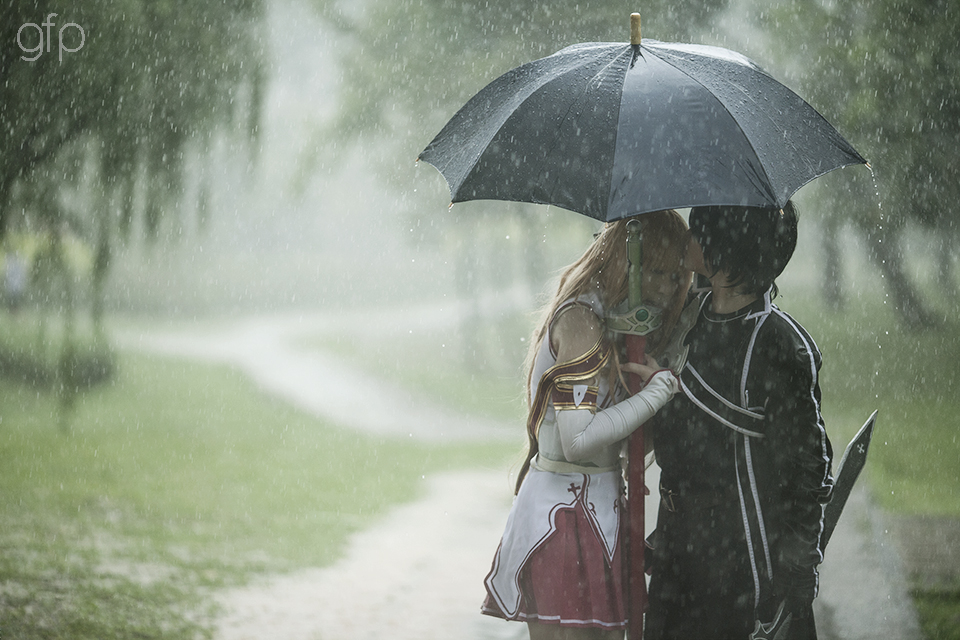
797 144
543 133
678 146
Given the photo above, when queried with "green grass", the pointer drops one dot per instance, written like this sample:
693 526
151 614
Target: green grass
32 348
483 376
176 479
939 612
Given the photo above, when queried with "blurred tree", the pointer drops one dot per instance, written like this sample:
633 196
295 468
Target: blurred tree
133 82
100 101
887 72
139 77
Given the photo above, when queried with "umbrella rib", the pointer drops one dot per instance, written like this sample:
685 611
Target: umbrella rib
753 148
593 79
601 71
543 82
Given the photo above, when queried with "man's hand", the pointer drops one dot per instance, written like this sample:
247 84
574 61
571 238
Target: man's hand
775 630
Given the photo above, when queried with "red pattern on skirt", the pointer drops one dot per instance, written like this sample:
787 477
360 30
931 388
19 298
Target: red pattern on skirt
568 580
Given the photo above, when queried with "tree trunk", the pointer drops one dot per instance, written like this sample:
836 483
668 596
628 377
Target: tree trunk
832 283
466 263
884 250
66 383
945 246
101 262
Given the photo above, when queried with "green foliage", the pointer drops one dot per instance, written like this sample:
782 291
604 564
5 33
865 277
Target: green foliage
32 351
145 78
887 73
410 64
101 103
59 600
176 479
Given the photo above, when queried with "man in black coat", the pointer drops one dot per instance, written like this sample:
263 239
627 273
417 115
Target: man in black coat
744 456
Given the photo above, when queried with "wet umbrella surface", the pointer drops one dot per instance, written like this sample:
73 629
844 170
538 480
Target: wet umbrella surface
614 130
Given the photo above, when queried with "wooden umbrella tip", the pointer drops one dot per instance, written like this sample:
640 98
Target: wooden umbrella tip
634 28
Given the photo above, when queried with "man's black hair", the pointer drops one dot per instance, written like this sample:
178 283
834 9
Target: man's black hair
751 244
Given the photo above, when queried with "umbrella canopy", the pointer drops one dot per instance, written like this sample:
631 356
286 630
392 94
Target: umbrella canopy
615 130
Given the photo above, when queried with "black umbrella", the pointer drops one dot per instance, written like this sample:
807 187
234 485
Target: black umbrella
614 130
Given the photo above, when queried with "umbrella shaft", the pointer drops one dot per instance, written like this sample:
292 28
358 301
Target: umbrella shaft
636 345
635 266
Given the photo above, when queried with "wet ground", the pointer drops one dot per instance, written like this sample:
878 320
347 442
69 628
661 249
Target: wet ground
418 573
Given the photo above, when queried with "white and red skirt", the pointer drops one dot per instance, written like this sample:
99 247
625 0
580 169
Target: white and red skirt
559 558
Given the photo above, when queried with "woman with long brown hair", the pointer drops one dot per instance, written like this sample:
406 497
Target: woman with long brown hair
558 566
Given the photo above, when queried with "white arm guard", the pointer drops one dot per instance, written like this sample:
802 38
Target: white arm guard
583 434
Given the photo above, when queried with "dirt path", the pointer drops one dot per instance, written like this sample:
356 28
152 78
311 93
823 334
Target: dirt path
269 350
414 576
418 573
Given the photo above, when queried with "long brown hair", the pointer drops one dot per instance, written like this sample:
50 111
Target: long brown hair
665 239
603 268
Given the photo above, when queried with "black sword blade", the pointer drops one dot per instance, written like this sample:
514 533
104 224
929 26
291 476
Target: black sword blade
854 457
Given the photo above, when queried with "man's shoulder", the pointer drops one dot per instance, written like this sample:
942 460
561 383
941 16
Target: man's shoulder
783 337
